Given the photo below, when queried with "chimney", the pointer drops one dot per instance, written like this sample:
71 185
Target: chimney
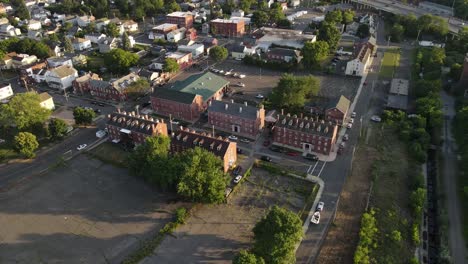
245 103
282 111
118 110
240 109
226 107
209 104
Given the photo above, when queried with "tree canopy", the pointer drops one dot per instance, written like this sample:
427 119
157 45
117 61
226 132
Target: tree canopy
363 31
245 257
334 17
57 128
83 116
315 52
329 33
260 18
24 111
119 60
171 65
348 16
292 91
276 235
202 179
218 53
26 143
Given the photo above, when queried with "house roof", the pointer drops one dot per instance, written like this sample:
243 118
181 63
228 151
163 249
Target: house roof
233 109
44 96
397 102
191 139
146 73
342 103
204 84
284 52
306 125
138 123
238 48
80 40
122 83
399 86
99 83
179 14
173 95
88 76
64 71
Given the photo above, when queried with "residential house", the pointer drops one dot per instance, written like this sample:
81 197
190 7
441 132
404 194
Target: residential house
295 39
73 31
161 31
131 129
81 85
54 62
337 110
239 52
398 97
195 49
95 38
22 60
176 35
304 134
35 35
38 75
191 34
56 49
8 30
184 59
84 21
361 57
188 98
237 13
34 25
227 27
209 43
130 26
108 44
80 44
101 24
114 90
239 119
4 21
27 70
46 101
79 59
182 19
5 91
184 139
150 76
283 55
7 62
61 77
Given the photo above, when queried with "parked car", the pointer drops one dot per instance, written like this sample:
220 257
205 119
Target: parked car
276 149
266 143
239 151
240 84
237 170
232 138
320 206
97 111
342 145
93 102
259 96
239 93
266 158
353 115
315 218
101 104
345 137
175 122
376 119
81 147
351 120
311 156
349 125
244 140
237 179
242 76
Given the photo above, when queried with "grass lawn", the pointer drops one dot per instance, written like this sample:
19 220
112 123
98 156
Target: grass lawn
110 153
7 153
390 196
95 61
390 62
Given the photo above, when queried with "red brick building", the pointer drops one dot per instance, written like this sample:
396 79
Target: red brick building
337 110
115 90
227 27
304 134
182 19
178 105
185 139
81 84
131 129
239 119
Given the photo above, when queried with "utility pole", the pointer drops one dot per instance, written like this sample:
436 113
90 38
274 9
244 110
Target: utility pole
170 121
388 41
65 94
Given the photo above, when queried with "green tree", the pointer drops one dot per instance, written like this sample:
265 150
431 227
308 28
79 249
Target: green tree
417 199
396 32
83 116
396 236
229 6
57 128
292 91
245 5
329 33
26 143
21 10
455 71
348 17
68 46
125 42
334 17
172 6
367 238
284 23
430 108
423 87
202 179
218 53
363 31
276 13
245 257
276 236
24 111
425 22
315 52
260 18
171 65
112 30
138 88
119 60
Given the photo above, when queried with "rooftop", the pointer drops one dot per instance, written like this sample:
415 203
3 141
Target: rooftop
204 84
123 82
64 71
306 125
179 14
173 95
190 138
44 96
284 52
342 103
234 109
399 102
165 26
399 87
139 123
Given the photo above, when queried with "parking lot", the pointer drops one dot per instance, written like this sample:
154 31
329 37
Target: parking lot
215 233
83 211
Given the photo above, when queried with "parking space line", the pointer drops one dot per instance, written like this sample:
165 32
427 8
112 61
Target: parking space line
323 166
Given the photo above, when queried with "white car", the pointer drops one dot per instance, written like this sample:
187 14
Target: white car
82 146
232 137
242 76
175 122
259 96
237 179
349 125
315 218
353 115
244 140
376 119
351 120
320 206
240 84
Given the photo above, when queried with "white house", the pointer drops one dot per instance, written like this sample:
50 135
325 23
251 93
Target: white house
130 26
101 24
95 38
85 20
358 65
34 25
176 35
9 31
5 91
237 13
195 49
54 62
47 101
81 44
23 59
61 77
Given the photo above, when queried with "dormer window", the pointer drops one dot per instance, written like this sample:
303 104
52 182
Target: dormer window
290 122
178 137
284 121
301 125
212 145
200 143
307 126
219 147
195 141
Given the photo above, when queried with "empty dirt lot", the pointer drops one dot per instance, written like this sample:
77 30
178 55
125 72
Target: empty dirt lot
81 212
213 234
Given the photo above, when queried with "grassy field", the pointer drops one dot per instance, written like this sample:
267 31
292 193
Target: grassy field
95 61
110 153
390 62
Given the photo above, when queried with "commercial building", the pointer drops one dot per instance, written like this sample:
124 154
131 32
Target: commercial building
362 54
161 31
227 27
187 139
304 134
398 96
239 119
182 19
284 55
295 39
131 129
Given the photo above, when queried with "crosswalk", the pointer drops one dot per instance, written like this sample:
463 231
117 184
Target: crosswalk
316 168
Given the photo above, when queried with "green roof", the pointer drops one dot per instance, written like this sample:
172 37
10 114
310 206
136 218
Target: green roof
185 98
204 84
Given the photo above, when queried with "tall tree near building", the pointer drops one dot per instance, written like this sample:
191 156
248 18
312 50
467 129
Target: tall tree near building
57 128
260 18
329 33
26 143
334 17
171 65
21 10
68 45
83 116
292 91
218 53
119 60
348 17
126 42
245 257
112 30
24 111
363 31
315 52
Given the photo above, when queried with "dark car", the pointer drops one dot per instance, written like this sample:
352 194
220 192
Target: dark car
311 156
239 93
276 149
292 153
266 158
93 102
266 143
101 104
145 104
237 170
239 151
97 111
